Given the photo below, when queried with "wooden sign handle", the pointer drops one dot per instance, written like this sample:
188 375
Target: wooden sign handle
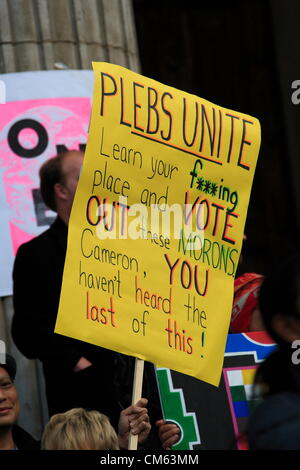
136 395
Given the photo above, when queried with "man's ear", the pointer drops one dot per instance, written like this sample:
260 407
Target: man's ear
286 327
60 191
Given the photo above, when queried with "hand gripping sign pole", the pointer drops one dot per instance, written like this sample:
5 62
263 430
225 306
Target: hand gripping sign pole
136 395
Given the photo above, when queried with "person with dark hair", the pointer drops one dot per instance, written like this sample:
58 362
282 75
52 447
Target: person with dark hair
77 374
12 436
275 422
80 369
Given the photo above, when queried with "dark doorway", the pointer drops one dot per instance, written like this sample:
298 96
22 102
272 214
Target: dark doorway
224 51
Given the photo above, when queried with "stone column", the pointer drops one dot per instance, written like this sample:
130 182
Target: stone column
49 34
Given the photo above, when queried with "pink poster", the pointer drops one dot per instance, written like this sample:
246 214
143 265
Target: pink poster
31 131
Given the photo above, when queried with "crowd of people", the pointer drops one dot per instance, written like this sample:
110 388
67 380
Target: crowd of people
89 377
75 429
91 408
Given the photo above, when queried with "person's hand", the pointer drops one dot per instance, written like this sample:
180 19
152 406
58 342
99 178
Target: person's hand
135 419
83 363
168 433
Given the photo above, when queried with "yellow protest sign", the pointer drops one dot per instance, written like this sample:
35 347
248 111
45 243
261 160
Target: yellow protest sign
157 223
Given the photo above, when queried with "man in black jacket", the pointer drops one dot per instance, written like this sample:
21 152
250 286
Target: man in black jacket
12 436
77 374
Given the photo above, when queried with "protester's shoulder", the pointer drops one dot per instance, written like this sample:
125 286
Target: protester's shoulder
34 244
24 440
44 239
38 239
276 406
275 421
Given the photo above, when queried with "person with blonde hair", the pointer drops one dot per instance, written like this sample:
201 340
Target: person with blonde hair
80 429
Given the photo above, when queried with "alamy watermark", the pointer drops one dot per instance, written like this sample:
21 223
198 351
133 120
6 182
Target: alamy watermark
296 354
2 92
118 220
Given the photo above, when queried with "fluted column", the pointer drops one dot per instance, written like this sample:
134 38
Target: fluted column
39 34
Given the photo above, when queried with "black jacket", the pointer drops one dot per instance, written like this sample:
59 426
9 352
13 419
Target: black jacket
37 278
23 440
275 423
107 385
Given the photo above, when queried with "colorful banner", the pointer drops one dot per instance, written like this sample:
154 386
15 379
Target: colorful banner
41 116
211 418
157 224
